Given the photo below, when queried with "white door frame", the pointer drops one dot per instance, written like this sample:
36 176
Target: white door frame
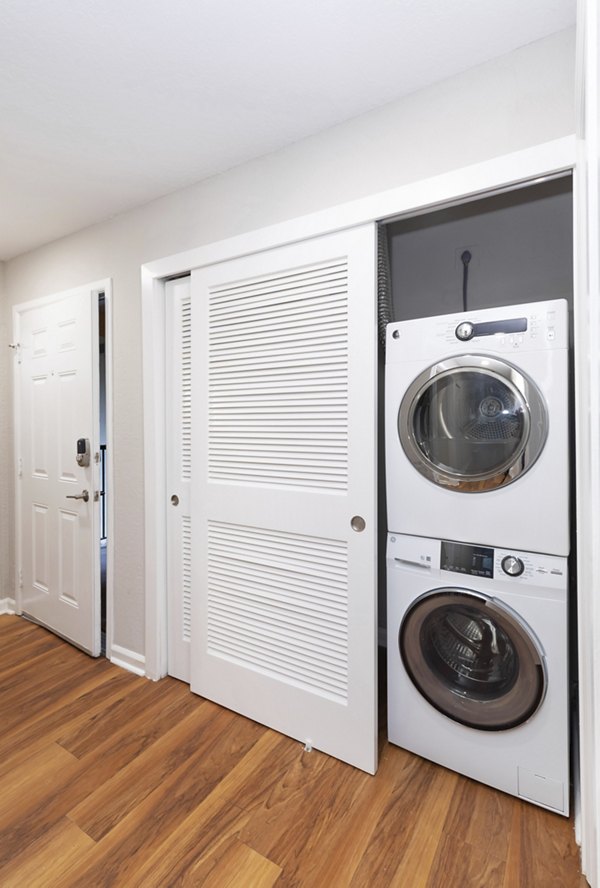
95 289
106 288
501 173
587 435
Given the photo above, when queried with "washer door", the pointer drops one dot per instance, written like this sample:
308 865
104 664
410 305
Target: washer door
472 423
473 659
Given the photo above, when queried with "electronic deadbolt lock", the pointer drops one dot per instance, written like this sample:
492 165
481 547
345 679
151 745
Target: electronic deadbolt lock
83 452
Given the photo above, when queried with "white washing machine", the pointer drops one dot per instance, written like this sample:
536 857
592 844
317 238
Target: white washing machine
477 663
477 427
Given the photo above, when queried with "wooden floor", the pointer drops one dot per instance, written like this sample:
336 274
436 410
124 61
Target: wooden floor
107 779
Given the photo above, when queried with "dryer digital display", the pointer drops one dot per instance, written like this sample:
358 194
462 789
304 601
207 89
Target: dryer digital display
477 561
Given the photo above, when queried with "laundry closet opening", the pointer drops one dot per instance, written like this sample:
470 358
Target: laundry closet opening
476 411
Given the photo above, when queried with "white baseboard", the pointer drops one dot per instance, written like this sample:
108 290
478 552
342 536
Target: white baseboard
7 605
127 659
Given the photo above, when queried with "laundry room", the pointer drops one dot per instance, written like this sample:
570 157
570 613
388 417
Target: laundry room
475 319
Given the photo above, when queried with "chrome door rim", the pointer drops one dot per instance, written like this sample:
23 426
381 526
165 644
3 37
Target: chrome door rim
518 463
493 715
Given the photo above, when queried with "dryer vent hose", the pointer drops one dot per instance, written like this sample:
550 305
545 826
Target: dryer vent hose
385 311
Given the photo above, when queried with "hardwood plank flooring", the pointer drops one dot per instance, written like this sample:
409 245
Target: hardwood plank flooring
108 780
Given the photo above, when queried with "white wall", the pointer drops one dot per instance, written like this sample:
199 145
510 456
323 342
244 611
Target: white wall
513 102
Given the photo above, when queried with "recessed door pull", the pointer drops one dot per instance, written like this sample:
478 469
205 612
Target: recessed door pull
84 495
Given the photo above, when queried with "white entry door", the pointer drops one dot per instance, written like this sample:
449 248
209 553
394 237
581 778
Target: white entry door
179 472
284 490
56 398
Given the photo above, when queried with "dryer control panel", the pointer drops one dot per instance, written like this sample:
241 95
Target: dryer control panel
467 330
537 326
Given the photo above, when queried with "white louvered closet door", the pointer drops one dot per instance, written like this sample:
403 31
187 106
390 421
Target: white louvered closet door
284 465
179 465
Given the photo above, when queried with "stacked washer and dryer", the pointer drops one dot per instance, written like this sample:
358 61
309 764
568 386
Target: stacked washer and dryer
477 475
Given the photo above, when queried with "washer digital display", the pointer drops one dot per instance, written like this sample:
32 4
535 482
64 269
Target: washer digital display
477 561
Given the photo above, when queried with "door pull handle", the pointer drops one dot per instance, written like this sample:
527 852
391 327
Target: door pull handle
84 495
358 523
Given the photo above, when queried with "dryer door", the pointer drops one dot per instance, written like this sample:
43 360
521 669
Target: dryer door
472 423
473 659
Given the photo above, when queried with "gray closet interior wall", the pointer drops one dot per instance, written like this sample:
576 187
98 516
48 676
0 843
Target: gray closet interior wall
521 243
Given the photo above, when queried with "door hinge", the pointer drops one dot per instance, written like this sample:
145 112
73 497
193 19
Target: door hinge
17 349
20 468
20 578
97 456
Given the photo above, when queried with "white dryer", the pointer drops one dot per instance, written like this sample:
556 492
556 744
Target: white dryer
477 427
477 663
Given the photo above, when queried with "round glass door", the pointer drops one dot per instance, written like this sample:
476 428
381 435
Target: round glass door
472 423
473 659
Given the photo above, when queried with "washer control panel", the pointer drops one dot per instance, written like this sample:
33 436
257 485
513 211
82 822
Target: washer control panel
480 563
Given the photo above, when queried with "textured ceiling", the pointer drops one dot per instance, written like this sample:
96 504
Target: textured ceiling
104 106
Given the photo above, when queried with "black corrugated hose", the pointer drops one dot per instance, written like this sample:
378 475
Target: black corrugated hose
385 312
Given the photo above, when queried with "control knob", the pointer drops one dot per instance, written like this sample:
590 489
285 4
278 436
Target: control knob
512 566
464 331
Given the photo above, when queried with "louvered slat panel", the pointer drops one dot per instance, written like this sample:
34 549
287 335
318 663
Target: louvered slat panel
332 315
318 596
186 576
277 283
267 309
232 587
186 388
292 331
277 603
290 358
278 364
179 472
